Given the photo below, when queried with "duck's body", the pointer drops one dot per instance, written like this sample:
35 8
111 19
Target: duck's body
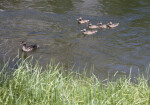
88 32
102 25
92 26
80 21
26 48
110 25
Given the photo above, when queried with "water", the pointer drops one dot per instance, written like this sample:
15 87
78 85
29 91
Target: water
52 24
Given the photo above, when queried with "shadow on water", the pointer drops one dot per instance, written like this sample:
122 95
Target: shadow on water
52 24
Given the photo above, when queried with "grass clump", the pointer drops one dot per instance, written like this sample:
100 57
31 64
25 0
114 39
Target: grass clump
28 84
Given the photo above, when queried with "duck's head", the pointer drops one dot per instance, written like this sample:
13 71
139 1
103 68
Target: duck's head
89 24
110 23
83 30
23 43
79 19
100 23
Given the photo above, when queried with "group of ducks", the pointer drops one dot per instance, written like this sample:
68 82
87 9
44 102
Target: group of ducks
29 48
91 27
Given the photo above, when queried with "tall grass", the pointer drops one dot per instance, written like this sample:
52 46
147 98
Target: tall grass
28 84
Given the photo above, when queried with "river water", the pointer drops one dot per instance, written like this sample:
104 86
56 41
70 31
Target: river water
52 24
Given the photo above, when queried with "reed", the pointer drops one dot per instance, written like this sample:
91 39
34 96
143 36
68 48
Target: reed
28 84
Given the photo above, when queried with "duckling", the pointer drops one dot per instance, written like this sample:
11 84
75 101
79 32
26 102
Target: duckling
28 48
92 26
111 25
80 21
102 25
88 32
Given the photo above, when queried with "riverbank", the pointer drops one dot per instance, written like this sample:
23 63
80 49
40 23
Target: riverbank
28 84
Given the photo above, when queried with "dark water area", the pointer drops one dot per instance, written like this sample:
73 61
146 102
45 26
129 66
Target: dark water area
52 24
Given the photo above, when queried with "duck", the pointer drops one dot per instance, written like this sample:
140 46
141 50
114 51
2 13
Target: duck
88 32
29 48
92 26
111 25
80 21
101 25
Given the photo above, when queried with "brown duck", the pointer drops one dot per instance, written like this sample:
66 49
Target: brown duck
88 32
80 21
111 25
29 48
92 26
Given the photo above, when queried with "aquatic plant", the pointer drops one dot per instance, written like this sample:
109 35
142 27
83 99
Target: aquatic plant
30 84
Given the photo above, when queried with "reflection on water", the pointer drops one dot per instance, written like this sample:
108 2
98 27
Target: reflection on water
52 24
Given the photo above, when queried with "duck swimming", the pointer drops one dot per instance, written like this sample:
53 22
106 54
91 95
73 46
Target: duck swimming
92 26
111 25
101 25
88 32
29 48
80 21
